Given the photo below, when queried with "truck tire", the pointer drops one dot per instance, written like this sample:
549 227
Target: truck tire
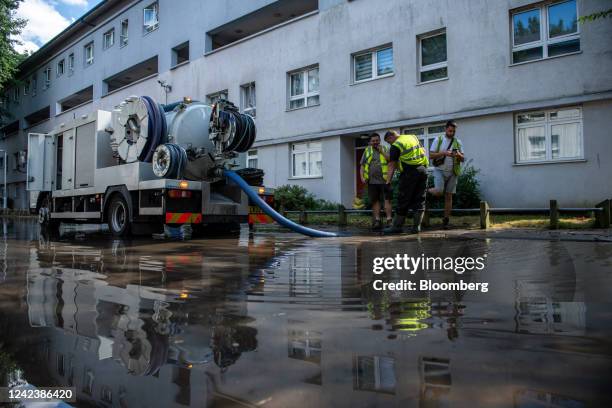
118 216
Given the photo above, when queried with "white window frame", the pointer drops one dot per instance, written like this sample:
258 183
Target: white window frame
308 150
252 155
428 135
244 103
71 63
34 85
26 87
547 122
86 48
61 63
124 37
307 94
374 71
47 78
108 34
16 94
152 27
215 96
432 67
544 40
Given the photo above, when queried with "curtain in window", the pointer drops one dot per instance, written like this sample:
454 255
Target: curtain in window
384 61
299 165
315 163
363 67
532 143
565 141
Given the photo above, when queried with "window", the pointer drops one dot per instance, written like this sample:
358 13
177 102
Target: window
26 87
88 381
130 75
123 39
373 64
71 64
374 373
109 39
89 53
16 94
34 84
304 88
47 78
427 135
247 97
151 17
215 97
553 135
432 57
252 159
61 64
180 54
306 160
543 31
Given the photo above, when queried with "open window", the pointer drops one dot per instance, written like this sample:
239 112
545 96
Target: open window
131 75
76 99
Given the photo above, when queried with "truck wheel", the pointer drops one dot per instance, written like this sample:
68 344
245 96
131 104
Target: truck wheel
118 217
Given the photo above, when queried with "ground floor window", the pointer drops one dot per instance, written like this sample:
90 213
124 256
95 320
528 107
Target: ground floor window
549 135
252 159
427 135
306 160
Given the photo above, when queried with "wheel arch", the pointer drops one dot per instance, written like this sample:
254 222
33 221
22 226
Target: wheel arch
122 191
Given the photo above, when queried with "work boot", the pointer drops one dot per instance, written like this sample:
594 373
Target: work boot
397 226
417 219
376 225
445 222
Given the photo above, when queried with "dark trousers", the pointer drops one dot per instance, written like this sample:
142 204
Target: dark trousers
412 187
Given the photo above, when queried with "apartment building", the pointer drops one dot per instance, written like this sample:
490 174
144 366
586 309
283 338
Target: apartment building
530 87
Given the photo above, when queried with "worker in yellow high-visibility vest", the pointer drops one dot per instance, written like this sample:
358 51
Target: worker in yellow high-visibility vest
408 156
373 172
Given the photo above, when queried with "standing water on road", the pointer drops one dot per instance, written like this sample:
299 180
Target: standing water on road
278 320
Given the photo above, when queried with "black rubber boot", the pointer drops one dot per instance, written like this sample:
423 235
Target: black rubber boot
417 219
376 225
397 226
445 222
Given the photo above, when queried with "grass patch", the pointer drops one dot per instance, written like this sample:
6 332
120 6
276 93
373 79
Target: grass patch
465 221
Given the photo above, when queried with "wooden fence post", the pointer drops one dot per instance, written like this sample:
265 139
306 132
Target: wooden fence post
554 215
485 221
602 218
341 215
303 216
425 222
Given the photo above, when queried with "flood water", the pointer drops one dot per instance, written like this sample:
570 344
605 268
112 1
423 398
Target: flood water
278 320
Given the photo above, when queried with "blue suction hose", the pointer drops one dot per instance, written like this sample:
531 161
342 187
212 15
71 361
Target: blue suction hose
270 211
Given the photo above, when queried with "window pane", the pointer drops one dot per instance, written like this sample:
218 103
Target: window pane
297 84
562 19
363 67
532 143
527 55
433 49
565 141
434 74
565 113
314 145
564 47
313 80
384 60
313 100
252 163
299 165
316 165
300 147
435 129
416 131
526 27
531 117
298 103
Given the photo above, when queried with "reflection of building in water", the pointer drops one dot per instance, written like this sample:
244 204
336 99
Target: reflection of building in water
541 399
540 315
374 373
304 345
435 382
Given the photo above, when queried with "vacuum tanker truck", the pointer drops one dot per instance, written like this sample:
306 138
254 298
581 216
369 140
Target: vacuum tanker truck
143 165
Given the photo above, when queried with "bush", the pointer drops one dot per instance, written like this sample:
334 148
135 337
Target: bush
295 198
468 190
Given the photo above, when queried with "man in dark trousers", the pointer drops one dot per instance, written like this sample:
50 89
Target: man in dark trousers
408 156
373 172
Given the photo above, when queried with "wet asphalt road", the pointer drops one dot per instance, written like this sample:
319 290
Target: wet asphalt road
278 320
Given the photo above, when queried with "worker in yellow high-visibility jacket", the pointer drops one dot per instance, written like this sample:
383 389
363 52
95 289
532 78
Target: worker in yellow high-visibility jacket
373 172
408 156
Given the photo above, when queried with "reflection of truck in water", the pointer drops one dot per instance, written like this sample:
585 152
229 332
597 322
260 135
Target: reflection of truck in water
143 165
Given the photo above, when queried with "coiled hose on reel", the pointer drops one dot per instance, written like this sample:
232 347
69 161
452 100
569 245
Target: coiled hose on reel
169 161
157 129
240 126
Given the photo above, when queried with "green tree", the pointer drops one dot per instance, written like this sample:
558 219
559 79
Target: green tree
596 16
10 27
